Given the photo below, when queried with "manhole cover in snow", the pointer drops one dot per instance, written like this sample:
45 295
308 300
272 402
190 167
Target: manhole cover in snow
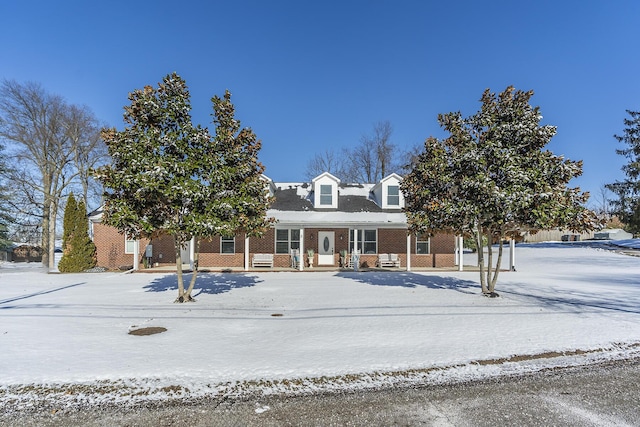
148 331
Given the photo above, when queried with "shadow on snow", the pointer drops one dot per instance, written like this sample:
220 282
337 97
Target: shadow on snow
412 280
35 294
206 283
560 298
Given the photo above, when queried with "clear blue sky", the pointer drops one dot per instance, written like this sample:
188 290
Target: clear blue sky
311 75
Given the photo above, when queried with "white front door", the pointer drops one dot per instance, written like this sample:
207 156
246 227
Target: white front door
326 247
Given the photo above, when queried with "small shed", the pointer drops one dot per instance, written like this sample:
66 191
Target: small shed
612 234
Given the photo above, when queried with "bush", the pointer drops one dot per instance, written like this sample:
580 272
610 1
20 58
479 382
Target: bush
470 243
79 251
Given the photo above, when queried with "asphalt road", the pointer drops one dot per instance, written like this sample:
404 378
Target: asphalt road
604 395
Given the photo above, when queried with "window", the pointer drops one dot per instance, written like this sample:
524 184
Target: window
227 245
129 245
393 195
326 197
422 244
367 241
287 239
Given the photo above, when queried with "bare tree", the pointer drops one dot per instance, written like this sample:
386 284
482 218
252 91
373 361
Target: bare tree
601 202
384 148
329 161
375 156
89 151
408 159
4 202
49 141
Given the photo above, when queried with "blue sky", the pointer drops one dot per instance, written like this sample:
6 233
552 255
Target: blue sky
310 76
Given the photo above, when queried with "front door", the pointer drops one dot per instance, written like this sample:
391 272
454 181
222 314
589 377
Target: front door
326 248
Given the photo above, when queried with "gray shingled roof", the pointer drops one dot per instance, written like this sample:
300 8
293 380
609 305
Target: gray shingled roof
289 200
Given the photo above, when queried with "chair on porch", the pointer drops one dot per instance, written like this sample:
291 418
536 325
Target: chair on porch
295 258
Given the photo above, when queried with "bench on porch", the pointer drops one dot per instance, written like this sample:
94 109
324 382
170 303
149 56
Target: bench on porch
262 260
388 260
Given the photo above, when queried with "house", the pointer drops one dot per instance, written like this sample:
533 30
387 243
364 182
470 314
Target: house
324 215
612 234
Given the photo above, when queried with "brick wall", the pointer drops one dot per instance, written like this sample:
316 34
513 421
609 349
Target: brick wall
392 241
164 251
443 260
421 261
441 252
111 247
211 256
264 245
341 244
221 260
442 244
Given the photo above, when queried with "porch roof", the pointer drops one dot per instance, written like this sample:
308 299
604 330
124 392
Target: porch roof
339 219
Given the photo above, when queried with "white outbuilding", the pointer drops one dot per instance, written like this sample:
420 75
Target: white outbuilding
612 234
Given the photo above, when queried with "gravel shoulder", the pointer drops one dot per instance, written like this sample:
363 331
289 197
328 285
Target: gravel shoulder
603 394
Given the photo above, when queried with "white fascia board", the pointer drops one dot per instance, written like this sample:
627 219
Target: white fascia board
96 217
339 219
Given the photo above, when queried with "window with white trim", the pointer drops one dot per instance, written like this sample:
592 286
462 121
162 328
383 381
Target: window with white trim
326 195
287 239
393 195
227 244
129 245
422 244
367 241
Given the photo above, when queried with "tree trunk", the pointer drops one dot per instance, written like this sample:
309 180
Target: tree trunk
51 245
196 256
178 248
45 231
487 289
182 295
494 279
480 249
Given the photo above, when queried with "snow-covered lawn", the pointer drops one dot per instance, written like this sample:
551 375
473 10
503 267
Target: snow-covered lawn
67 335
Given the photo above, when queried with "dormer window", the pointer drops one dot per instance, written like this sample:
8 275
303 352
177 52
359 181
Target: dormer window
393 195
387 194
326 193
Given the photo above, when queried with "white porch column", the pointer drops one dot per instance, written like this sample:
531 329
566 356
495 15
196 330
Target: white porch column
136 255
246 252
456 251
192 253
408 252
301 251
512 254
355 240
460 253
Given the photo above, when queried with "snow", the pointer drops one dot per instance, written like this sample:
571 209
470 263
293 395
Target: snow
300 332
